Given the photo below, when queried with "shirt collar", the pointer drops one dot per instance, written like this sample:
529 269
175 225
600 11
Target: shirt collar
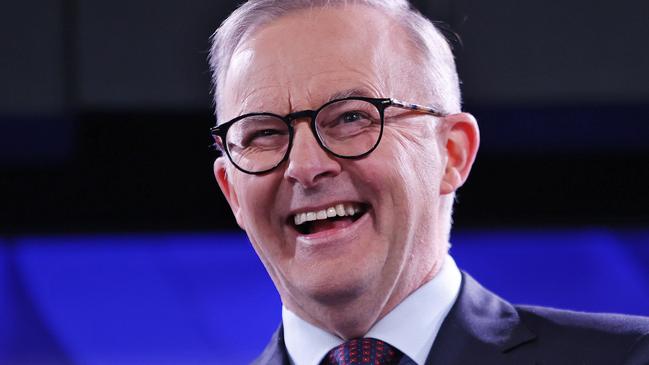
411 326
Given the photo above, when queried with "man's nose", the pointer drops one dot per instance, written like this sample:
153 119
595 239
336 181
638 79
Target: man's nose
307 161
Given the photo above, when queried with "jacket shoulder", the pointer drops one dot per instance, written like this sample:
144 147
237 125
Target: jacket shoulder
483 328
596 337
582 322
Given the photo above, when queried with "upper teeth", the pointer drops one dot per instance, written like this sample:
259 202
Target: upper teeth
340 210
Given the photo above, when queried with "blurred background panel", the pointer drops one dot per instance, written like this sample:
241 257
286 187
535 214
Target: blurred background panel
104 108
33 70
145 55
114 238
540 53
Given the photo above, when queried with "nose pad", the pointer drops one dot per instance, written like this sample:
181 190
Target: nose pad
308 162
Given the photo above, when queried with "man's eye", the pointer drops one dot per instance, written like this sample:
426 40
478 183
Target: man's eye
265 133
263 137
350 117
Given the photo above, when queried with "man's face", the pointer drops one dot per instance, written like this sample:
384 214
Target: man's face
397 239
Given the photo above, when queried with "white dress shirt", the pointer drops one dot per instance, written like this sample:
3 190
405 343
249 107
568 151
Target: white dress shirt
411 326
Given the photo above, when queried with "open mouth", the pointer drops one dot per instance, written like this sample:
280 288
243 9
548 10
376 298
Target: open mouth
336 216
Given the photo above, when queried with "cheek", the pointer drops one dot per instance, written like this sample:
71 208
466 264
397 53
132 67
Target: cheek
257 196
417 158
414 177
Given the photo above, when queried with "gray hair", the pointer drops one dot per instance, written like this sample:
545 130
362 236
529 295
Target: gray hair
249 17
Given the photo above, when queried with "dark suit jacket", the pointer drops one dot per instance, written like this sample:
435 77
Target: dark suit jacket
483 329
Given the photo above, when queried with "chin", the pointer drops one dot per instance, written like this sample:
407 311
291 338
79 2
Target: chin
338 288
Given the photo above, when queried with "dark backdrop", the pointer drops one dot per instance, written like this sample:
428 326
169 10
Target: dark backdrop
105 106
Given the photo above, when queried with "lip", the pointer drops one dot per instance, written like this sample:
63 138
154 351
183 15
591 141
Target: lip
333 236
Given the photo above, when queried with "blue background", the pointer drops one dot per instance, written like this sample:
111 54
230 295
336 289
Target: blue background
206 298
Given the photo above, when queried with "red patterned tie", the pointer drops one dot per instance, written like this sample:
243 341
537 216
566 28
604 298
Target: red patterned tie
363 351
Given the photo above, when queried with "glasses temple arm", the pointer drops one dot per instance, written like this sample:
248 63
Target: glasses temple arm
416 107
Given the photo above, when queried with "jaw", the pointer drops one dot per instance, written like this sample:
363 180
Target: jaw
329 279
348 302
345 311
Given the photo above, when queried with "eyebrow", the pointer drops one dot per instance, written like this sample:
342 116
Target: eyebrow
357 91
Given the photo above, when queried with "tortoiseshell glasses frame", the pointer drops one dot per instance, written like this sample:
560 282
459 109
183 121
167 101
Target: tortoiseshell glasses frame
264 157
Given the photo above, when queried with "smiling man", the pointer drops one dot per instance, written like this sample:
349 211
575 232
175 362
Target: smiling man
343 145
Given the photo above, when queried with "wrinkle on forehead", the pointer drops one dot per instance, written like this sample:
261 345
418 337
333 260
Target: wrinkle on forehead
249 83
297 61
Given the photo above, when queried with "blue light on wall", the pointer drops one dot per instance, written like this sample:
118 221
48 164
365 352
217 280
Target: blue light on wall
206 298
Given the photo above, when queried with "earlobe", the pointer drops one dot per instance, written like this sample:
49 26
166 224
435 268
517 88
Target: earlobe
225 183
462 138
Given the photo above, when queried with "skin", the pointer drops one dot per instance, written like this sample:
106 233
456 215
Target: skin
346 281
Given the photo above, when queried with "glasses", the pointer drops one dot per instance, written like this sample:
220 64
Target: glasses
350 128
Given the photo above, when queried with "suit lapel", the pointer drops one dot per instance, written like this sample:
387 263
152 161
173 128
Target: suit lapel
481 328
275 351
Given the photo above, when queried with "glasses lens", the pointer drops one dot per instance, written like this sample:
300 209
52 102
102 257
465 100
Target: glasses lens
349 127
257 143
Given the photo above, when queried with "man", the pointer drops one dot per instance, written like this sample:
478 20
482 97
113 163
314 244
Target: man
344 144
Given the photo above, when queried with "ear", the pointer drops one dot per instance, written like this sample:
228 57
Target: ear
462 138
225 183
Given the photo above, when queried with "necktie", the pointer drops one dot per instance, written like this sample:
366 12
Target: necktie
363 351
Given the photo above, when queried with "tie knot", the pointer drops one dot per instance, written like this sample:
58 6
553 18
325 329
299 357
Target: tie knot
363 351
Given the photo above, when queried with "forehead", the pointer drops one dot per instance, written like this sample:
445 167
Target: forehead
303 58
